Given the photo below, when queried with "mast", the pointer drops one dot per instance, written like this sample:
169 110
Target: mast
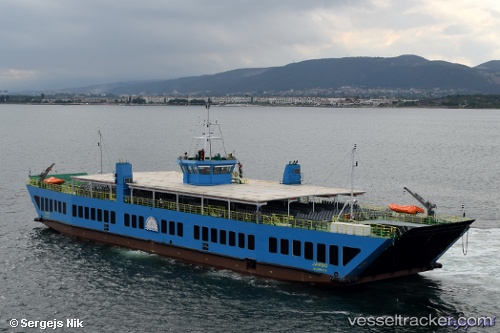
208 136
351 201
353 164
100 148
208 140
203 167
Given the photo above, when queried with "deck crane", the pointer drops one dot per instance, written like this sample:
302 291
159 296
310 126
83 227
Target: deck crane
44 174
427 204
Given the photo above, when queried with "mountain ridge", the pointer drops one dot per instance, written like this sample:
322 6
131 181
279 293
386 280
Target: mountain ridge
369 75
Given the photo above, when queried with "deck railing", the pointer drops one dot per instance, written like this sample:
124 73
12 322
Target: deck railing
377 230
366 213
75 190
371 212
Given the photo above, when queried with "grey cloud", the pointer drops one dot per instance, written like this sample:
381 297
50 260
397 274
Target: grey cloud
60 43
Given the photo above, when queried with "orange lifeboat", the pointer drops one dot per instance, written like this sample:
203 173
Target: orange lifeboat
54 180
406 209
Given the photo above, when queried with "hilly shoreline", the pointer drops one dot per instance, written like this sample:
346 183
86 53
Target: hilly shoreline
368 77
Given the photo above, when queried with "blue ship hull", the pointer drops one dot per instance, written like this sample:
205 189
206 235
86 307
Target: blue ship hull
275 251
210 215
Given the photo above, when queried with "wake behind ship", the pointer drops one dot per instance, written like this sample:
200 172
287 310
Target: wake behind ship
209 214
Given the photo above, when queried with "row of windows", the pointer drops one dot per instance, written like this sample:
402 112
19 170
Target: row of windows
205 169
224 237
309 250
94 214
172 228
50 205
165 227
210 234
133 221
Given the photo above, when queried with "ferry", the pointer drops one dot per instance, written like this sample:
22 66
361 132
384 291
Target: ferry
209 214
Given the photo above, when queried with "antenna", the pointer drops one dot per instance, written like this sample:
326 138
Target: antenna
351 201
208 131
100 148
208 140
353 164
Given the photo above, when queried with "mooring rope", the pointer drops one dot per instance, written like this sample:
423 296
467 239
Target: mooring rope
465 244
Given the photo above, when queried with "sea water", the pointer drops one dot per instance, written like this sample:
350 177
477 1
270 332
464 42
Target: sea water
450 157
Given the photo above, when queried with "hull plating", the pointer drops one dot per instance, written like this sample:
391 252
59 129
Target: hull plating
245 266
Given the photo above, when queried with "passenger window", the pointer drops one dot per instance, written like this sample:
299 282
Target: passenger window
308 250
232 238
222 236
204 234
284 246
213 235
273 245
241 240
321 252
334 255
296 248
251 242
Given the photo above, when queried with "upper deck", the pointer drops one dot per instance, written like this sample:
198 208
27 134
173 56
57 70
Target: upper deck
166 190
252 191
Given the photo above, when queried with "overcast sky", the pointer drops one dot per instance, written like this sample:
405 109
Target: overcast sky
50 44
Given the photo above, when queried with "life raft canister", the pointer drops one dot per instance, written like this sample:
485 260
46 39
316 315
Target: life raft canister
406 209
54 180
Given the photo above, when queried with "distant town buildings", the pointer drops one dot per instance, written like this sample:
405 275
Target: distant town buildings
268 99
219 100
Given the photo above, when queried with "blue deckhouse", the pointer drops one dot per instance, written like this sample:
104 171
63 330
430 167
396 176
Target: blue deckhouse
209 164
